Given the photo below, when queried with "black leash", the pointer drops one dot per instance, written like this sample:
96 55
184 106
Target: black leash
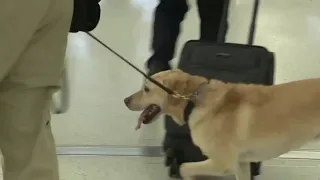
169 91
190 104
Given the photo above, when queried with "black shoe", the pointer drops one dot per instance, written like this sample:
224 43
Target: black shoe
155 67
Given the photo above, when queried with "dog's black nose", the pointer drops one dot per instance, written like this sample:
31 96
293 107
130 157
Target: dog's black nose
127 100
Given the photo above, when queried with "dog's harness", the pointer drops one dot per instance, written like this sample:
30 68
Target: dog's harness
188 110
191 103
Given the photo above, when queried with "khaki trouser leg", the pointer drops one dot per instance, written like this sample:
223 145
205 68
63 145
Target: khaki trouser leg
33 38
25 138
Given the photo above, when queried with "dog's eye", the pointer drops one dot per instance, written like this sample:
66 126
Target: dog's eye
146 89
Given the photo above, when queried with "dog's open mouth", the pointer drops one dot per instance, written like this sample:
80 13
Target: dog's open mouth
149 114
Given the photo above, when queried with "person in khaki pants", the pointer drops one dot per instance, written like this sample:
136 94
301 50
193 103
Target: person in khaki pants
33 39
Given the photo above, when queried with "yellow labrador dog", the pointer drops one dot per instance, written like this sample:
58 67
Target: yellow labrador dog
234 124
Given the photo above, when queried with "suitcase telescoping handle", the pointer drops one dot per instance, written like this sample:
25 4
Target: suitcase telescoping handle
253 22
224 22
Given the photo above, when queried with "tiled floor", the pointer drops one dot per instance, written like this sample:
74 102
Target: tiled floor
124 168
99 81
137 168
147 168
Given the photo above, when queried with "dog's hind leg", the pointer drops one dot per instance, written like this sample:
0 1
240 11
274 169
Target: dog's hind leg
206 168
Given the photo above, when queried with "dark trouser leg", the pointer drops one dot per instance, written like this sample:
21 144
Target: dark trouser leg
168 16
211 12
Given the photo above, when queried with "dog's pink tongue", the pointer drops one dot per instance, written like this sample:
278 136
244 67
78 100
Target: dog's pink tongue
140 121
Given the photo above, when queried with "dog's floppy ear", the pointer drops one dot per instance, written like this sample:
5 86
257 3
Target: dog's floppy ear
214 88
179 86
185 84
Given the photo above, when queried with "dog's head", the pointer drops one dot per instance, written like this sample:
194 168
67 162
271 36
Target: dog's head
154 101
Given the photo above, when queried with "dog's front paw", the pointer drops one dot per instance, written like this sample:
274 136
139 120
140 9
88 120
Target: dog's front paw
184 172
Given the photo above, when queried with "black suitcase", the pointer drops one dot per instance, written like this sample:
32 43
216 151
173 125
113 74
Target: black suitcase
228 62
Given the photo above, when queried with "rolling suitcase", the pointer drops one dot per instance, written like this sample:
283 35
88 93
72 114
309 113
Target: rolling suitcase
229 62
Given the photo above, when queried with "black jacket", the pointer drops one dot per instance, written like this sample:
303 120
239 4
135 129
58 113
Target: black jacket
86 15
